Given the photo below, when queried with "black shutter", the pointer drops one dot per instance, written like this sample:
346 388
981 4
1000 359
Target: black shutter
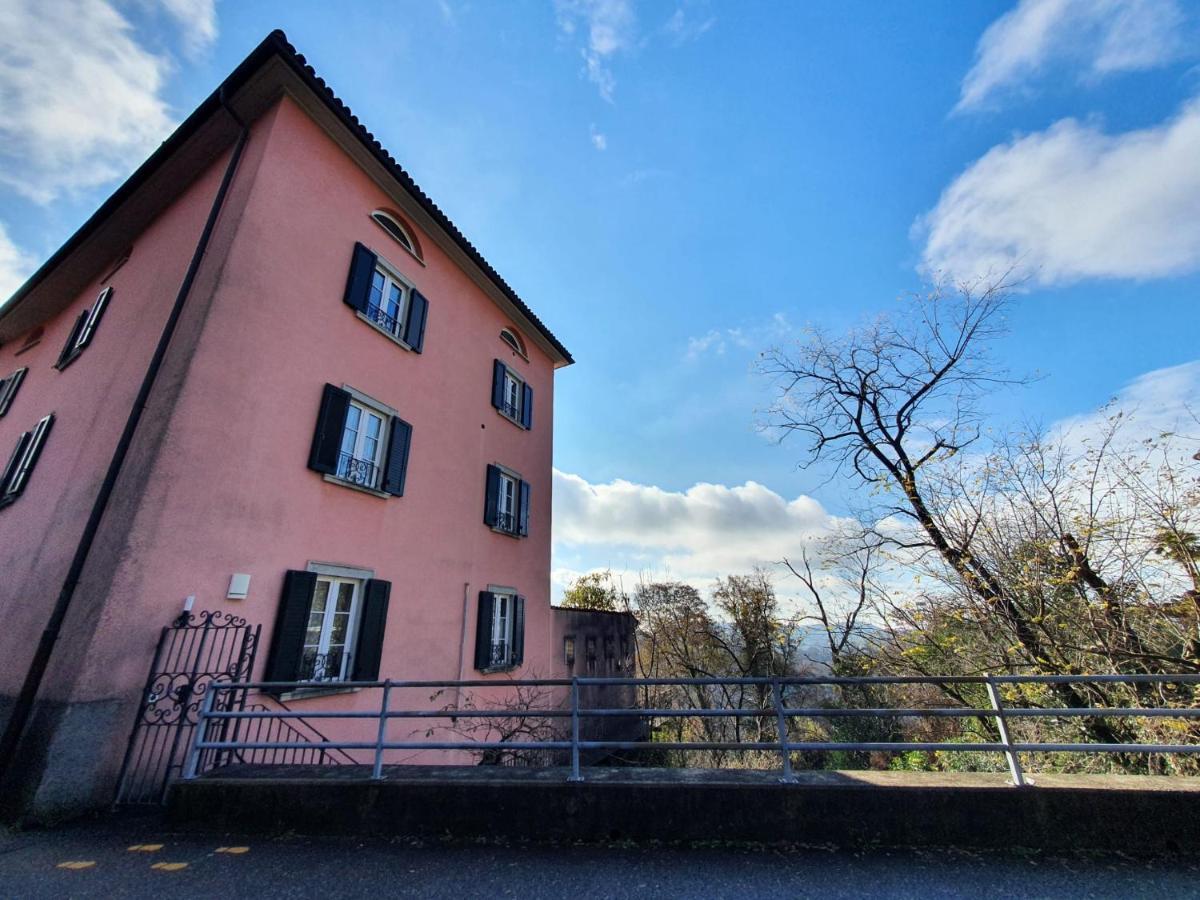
414 321
527 406
483 630
331 422
358 282
396 466
518 638
291 623
491 501
8 389
523 508
69 347
93 319
369 646
15 481
498 370
10 468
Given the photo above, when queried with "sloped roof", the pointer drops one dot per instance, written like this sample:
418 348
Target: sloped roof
276 47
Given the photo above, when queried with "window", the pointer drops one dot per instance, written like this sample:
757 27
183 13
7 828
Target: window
83 329
24 457
360 442
329 628
387 303
506 505
397 231
511 396
513 340
359 461
8 389
591 655
332 620
500 630
384 299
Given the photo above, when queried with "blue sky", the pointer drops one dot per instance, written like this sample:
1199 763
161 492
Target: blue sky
675 186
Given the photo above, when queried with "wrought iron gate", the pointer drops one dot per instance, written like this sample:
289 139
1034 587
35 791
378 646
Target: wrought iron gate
194 651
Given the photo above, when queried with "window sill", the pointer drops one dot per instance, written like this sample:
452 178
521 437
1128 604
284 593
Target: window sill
333 479
502 414
507 533
493 670
323 690
387 334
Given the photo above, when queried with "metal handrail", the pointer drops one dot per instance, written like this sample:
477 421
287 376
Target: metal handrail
1000 712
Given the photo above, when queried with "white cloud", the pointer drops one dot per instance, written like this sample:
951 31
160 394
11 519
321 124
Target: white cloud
599 141
1074 202
610 26
197 20
15 266
1164 401
756 338
80 99
696 535
684 26
1098 36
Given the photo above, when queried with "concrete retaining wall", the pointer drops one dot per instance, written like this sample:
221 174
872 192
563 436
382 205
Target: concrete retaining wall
1133 815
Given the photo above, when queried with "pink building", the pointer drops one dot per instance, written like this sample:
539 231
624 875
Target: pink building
269 374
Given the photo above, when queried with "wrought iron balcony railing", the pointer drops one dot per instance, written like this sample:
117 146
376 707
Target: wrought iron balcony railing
511 410
501 653
331 666
506 521
357 471
388 323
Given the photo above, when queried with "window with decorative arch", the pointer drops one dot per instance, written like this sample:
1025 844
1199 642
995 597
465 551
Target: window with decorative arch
513 340
397 230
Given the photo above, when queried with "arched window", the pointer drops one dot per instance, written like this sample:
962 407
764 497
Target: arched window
513 340
398 232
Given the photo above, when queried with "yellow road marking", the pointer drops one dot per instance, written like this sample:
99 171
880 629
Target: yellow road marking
233 849
169 867
145 848
77 864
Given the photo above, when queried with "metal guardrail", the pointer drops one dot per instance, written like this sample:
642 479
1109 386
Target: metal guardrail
214 720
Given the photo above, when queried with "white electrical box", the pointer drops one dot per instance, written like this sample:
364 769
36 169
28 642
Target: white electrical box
239 586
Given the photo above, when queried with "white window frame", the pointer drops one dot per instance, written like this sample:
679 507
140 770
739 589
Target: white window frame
514 396
504 608
509 490
322 646
374 314
377 459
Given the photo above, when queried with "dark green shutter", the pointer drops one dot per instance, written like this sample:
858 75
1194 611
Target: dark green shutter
518 639
371 625
523 508
498 370
491 501
396 466
68 349
414 321
331 422
527 406
358 282
483 630
291 624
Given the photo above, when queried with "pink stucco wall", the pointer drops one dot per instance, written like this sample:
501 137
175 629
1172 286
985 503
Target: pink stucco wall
226 488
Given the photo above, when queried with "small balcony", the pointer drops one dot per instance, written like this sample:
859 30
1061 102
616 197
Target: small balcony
362 472
324 667
388 323
501 654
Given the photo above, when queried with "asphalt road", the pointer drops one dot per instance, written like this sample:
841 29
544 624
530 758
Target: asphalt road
138 857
